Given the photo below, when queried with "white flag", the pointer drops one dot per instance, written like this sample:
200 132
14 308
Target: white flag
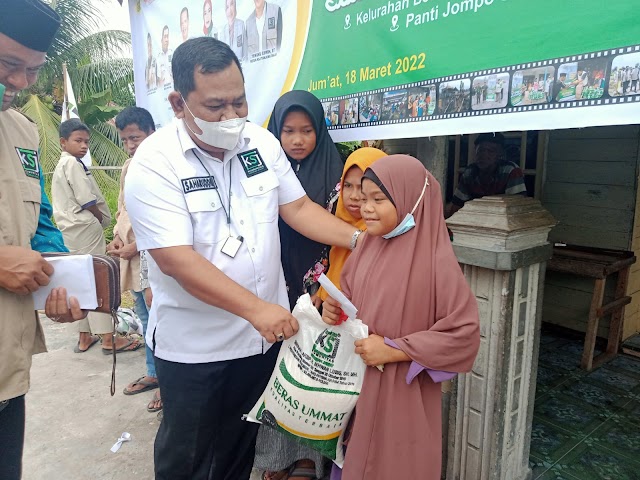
70 110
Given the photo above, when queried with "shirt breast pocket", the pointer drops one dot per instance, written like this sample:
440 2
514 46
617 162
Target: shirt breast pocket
262 193
272 36
207 217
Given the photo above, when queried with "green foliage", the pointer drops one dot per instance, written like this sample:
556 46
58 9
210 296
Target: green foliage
97 108
347 148
100 69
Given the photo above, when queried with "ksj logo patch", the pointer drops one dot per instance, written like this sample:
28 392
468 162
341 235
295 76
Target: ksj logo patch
252 162
325 348
29 160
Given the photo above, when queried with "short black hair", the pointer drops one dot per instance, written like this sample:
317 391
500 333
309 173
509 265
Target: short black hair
563 74
135 116
166 27
70 126
207 53
184 9
496 138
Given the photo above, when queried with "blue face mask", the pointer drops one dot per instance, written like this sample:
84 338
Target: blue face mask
408 222
2 90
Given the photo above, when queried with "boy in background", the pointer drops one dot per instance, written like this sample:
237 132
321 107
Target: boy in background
81 213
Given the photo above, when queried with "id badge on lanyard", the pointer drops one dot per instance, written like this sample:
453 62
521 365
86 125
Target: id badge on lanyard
232 245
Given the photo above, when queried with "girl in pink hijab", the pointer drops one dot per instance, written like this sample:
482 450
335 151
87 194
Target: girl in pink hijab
423 323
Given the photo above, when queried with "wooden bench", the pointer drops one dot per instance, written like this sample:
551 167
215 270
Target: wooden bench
598 264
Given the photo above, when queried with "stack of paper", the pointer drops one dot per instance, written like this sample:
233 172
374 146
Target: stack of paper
75 273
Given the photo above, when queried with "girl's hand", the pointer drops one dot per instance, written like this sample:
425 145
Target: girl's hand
374 351
316 300
331 311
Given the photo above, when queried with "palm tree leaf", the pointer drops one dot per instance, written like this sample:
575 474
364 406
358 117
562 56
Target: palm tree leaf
48 123
114 74
105 146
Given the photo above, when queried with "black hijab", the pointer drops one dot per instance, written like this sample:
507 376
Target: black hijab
319 174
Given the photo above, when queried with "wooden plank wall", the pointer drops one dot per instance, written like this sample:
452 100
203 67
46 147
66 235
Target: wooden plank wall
591 189
632 312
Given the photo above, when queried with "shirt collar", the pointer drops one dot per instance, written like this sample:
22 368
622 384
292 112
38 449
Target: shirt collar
188 144
79 160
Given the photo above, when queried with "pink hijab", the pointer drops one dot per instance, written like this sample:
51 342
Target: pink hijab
410 289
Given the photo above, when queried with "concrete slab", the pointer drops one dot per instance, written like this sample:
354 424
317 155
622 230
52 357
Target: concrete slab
72 421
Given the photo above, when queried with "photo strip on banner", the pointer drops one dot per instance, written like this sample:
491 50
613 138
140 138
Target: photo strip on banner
385 69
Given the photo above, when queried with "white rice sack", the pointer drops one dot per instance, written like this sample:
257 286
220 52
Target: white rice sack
315 385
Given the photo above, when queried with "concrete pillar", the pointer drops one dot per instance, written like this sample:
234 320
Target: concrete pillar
501 244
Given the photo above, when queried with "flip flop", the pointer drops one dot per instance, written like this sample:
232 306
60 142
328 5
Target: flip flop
95 339
302 472
279 475
147 386
124 348
154 400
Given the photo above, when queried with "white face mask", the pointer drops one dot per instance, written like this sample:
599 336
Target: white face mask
408 222
224 134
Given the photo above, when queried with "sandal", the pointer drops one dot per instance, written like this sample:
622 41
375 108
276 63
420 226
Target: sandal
131 346
95 339
302 472
279 475
293 471
156 398
146 386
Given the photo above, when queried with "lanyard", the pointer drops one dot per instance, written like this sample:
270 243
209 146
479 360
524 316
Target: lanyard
227 212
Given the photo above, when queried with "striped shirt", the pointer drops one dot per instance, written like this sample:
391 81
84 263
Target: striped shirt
507 179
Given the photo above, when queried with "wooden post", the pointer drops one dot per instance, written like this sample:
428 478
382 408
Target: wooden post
615 327
592 324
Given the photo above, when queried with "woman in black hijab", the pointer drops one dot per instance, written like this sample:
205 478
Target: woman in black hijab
298 122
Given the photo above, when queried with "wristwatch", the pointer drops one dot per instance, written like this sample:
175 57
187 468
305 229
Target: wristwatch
354 239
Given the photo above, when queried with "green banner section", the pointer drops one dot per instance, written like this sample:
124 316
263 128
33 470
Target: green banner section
361 45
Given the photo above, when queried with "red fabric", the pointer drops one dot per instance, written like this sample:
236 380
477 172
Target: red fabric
412 290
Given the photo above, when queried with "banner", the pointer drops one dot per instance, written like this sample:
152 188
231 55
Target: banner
407 68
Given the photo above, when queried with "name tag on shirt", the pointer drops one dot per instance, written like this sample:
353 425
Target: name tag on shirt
239 41
272 22
195 184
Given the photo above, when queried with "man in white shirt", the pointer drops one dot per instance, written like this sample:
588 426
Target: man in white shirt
164 60
264 28
635 75
204 194
184 24
581 81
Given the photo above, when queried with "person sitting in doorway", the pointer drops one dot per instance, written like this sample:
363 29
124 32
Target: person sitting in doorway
490 174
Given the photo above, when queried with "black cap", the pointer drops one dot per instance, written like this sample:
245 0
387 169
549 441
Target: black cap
31 23
496 138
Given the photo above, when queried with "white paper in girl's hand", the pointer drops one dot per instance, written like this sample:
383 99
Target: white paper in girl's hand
75 273
347 307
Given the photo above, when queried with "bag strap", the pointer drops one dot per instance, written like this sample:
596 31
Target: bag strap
114 318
